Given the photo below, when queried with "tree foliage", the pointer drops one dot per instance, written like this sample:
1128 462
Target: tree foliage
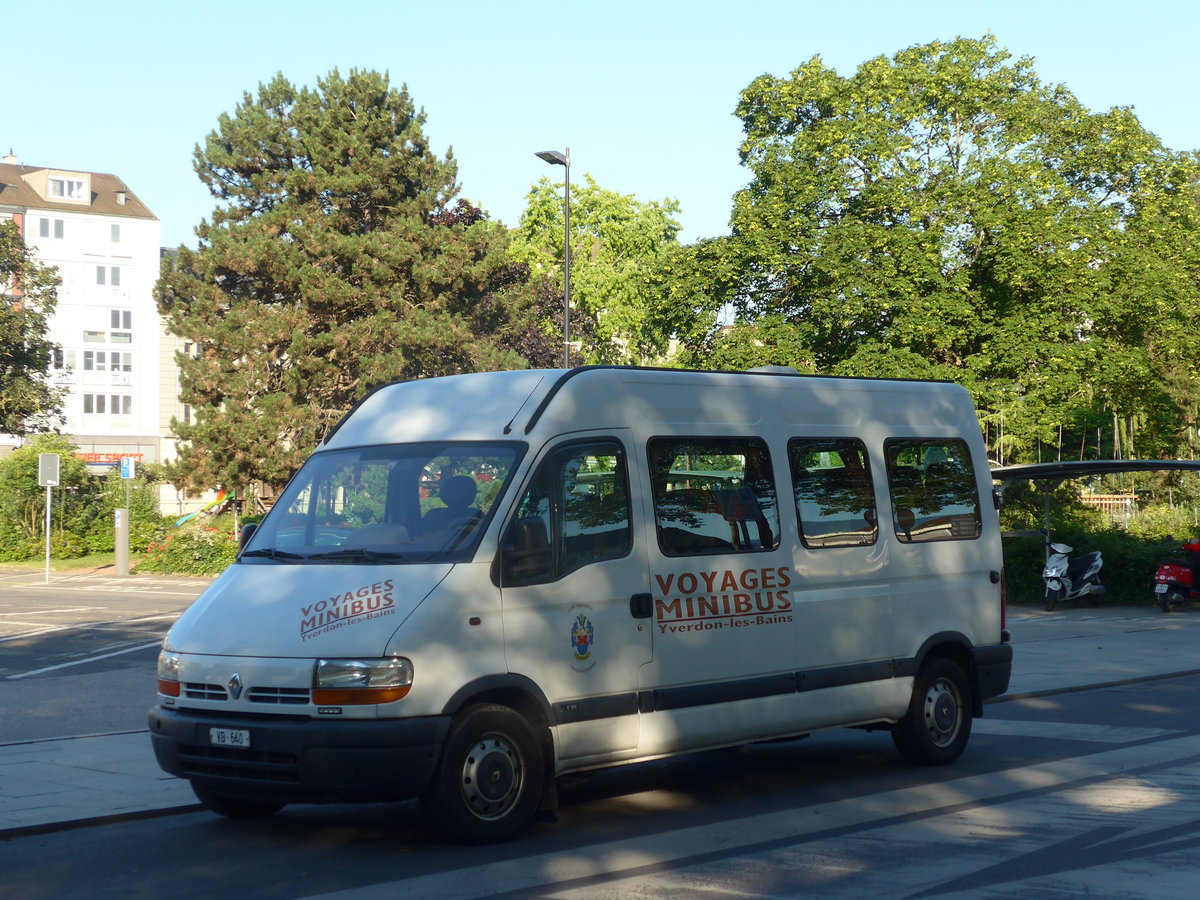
28 296
618 249
337 259
944 213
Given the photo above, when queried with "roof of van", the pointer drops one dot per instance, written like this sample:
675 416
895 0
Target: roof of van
515 404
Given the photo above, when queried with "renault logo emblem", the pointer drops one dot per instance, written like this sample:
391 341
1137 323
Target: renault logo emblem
235 686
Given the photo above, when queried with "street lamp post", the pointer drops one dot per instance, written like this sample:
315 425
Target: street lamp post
564 159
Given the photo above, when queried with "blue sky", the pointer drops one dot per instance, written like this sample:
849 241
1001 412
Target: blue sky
642 92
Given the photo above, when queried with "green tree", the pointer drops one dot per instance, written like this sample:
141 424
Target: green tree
23 500
338 259
618 249
28 296
945 213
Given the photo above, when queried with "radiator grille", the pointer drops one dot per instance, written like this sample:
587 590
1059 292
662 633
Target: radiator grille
277 695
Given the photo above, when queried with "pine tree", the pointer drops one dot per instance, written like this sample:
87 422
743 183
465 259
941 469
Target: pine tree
338 259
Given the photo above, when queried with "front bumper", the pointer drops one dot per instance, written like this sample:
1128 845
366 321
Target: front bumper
300 759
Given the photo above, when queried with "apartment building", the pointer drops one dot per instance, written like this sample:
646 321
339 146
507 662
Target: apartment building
116 359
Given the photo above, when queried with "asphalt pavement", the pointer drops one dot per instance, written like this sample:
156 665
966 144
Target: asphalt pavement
50 785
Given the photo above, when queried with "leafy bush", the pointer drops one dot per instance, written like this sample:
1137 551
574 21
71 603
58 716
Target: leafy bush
1127 575
82 505
191 549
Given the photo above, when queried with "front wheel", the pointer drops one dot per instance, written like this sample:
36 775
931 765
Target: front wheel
938 724
234 807
1054 596
489 782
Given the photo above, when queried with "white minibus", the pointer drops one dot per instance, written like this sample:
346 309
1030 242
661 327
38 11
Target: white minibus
480 583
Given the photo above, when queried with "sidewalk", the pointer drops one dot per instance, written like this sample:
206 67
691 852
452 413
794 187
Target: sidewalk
51 784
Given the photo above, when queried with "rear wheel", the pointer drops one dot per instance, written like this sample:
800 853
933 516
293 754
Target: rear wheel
234 807
489 782
1171 599
938 724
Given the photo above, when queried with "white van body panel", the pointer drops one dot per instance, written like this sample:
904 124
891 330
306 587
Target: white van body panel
314 610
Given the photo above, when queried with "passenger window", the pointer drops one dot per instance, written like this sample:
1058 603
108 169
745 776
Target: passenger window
576 511
713 495
934 496
835 499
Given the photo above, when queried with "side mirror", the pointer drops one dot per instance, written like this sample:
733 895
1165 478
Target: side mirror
247 532
525 553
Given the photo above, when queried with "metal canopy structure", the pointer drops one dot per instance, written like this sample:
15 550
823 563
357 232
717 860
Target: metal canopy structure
1058 472
1048 476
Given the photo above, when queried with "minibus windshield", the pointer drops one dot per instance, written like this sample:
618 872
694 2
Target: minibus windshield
398 503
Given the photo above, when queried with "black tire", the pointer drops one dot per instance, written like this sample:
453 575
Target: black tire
488 784
1169 600
234 807
938 724
1053 598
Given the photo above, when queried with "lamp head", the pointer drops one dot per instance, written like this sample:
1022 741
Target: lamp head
554 158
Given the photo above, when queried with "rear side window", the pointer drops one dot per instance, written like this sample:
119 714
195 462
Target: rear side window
713 495
835 499
934 495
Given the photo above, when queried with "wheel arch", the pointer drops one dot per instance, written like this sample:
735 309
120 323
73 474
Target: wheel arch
523 696
955 647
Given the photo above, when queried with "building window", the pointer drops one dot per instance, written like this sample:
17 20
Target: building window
120 361
121 318
93 337
114 404
100 270
120 337
94 360
48 226
115 232
111 274
68 189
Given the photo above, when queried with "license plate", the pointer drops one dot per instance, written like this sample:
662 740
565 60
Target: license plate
1160 588
229 737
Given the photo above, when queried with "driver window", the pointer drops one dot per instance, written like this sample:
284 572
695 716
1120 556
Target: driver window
575 512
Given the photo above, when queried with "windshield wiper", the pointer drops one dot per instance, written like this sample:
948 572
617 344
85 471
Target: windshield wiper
272 553
357 554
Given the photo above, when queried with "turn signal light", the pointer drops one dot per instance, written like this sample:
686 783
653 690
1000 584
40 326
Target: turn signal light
358 696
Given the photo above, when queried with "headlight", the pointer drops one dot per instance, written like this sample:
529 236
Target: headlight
350 682
168 673
1056 571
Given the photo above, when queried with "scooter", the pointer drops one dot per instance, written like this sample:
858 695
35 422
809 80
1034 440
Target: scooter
1068 579
1175 580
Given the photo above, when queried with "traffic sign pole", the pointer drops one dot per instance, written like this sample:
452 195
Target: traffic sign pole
122 520
48 475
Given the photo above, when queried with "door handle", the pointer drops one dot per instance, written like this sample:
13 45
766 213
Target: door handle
641 606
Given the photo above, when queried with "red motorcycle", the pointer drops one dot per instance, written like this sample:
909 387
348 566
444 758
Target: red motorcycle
1178 580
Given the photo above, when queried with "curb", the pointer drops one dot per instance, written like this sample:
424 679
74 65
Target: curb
115 819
